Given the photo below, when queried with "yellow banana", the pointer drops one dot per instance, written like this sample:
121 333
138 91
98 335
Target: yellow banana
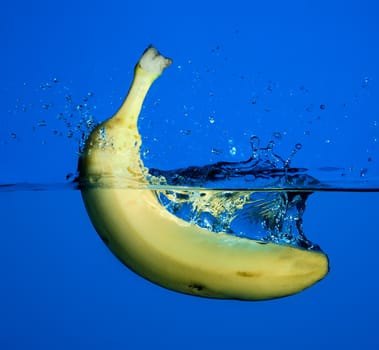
161 247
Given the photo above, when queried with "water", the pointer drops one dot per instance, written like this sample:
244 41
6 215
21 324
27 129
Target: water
262 198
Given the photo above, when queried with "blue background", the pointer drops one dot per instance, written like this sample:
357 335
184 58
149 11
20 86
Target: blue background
252 67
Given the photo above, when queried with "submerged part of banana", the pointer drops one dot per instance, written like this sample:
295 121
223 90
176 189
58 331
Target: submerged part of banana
161 247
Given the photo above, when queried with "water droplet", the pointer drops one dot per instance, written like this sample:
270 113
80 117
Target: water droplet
216 151
233 151
185 132
365 82
254 142
145 153
309 108
42 123
45 86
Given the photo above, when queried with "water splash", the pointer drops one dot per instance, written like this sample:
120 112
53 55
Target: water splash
265 216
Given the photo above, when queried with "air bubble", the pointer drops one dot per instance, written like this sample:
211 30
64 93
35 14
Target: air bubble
233 151
298 146
211 119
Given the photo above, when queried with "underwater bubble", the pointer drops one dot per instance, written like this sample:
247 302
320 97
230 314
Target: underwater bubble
211 119
322 106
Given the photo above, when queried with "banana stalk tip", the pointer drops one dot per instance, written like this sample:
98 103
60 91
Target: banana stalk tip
152 61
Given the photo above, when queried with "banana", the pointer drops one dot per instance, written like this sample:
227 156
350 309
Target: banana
161 247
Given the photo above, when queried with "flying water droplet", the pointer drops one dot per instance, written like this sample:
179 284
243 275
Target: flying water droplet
255 143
